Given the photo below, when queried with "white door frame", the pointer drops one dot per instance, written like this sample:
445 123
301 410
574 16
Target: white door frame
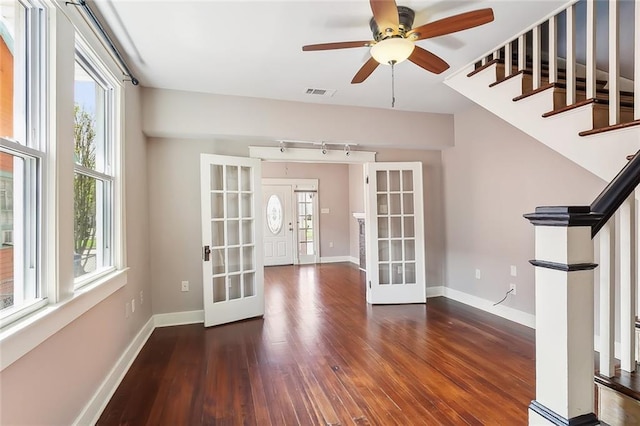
301 185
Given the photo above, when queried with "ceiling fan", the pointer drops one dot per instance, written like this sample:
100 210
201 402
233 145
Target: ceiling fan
394 38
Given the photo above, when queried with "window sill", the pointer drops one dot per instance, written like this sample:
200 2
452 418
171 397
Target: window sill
24 335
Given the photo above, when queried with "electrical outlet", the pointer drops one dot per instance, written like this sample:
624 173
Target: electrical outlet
478 274
512 289
514 271
141 297
133 305
185 286
330 243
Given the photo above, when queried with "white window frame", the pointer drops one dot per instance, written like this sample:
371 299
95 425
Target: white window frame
48 131
29 143
106 206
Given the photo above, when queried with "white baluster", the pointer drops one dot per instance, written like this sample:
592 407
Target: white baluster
537 53
636 78
571 55
553 50
607 300
614 65
626 248
508 60
591 49
522 53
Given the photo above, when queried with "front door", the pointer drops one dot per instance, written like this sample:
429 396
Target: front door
278 224
233 276
394 233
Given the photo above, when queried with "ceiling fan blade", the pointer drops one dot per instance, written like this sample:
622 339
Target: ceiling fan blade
385 13
453 24
428 61
338 45
365 71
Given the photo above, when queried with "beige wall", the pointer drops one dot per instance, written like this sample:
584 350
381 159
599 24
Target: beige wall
492 176
356 205
333 194
174 201
54 382
178 114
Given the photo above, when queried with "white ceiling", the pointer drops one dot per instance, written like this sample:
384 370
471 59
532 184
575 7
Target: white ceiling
253 48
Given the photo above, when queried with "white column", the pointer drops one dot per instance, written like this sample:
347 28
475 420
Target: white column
564 317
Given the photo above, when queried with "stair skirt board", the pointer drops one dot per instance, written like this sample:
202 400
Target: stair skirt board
615 408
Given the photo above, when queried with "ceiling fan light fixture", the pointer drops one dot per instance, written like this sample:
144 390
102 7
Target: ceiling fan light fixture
392 50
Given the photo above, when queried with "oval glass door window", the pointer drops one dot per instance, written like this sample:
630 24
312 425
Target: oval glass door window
274 214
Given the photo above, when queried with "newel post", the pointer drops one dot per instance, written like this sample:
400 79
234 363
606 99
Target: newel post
564 316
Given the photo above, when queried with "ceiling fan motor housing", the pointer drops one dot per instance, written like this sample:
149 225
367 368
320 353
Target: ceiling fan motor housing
405 16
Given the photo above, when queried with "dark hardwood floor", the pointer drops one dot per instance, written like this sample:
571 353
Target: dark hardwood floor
321 356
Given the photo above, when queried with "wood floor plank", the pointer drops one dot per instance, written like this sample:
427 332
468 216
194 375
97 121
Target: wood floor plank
322 356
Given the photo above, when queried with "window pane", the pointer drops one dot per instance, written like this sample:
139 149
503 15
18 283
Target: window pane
90 119
7 232
85 235
13 70
18 260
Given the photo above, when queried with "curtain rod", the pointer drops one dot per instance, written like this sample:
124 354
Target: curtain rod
106 38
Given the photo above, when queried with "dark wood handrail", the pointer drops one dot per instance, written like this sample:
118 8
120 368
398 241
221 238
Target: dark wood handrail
618 190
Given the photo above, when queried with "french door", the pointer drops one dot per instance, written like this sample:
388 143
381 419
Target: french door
394 229
232 266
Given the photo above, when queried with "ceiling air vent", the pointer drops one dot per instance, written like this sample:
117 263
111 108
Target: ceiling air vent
326 93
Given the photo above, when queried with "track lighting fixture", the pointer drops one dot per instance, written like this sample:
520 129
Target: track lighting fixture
323 148
347 150
282 148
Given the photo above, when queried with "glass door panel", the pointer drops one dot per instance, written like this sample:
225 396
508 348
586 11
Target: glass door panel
394 225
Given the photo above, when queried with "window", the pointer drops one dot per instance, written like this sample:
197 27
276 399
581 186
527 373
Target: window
22 156
94 173
305 223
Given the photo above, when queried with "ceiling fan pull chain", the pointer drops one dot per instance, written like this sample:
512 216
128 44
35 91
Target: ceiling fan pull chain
393 85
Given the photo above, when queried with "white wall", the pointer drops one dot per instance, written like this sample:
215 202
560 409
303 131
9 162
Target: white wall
356 205
494 175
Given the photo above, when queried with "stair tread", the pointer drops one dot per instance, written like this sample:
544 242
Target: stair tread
545 71
483 67
568 107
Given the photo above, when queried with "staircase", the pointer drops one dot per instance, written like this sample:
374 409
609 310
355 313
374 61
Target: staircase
550 81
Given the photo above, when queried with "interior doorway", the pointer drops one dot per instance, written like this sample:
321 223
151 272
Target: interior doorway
291 231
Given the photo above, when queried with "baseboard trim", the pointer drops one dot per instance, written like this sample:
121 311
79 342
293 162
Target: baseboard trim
355 260
505 312
335 259
436 291
92 411
178 318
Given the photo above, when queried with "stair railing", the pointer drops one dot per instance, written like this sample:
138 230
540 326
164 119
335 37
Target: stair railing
565 297
565 47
